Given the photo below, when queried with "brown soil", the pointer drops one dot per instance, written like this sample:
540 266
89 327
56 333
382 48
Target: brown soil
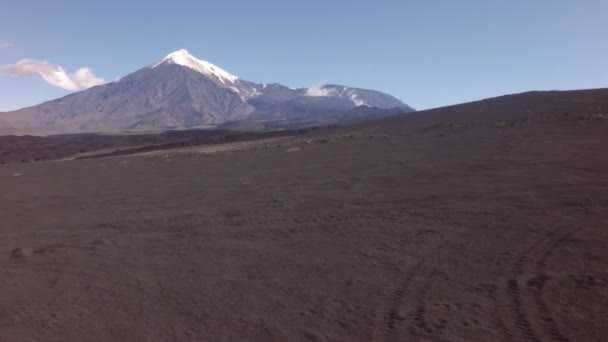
444 227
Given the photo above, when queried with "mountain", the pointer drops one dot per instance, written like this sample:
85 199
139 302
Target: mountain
181 91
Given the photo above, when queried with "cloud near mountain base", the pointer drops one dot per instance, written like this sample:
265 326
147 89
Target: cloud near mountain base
4 45
81 79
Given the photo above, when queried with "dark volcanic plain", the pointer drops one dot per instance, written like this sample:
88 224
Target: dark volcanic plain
480 222
28 148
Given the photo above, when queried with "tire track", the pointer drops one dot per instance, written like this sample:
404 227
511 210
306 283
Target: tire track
413 288
537 284
393 316
420 324
531 323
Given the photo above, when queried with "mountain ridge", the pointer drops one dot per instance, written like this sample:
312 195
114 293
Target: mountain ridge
181 91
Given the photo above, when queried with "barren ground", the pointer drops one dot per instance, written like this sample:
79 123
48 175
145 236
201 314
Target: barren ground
381 232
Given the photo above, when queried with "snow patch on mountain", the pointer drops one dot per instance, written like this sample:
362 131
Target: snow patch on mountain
184 58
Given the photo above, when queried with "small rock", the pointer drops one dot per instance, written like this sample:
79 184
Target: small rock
102 242
21 253
400 315
40 250
311 336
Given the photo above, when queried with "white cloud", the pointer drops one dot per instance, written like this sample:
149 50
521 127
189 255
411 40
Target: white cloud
318 90
357 101
81 79
6 45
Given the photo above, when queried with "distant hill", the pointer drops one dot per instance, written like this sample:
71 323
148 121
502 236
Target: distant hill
589 105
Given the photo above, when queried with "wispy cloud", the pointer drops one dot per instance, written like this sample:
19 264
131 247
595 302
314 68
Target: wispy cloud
318 90
81 79
6 45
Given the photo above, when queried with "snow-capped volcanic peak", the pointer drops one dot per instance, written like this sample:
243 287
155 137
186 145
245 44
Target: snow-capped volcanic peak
184 58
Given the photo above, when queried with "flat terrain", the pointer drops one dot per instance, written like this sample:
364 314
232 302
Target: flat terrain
485 222
27 148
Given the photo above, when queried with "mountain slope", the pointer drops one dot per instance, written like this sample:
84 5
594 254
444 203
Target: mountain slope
181 91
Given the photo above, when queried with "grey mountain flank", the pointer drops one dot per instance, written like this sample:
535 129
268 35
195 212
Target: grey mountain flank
183 92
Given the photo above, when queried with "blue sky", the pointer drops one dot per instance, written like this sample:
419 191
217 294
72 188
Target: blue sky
427 53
